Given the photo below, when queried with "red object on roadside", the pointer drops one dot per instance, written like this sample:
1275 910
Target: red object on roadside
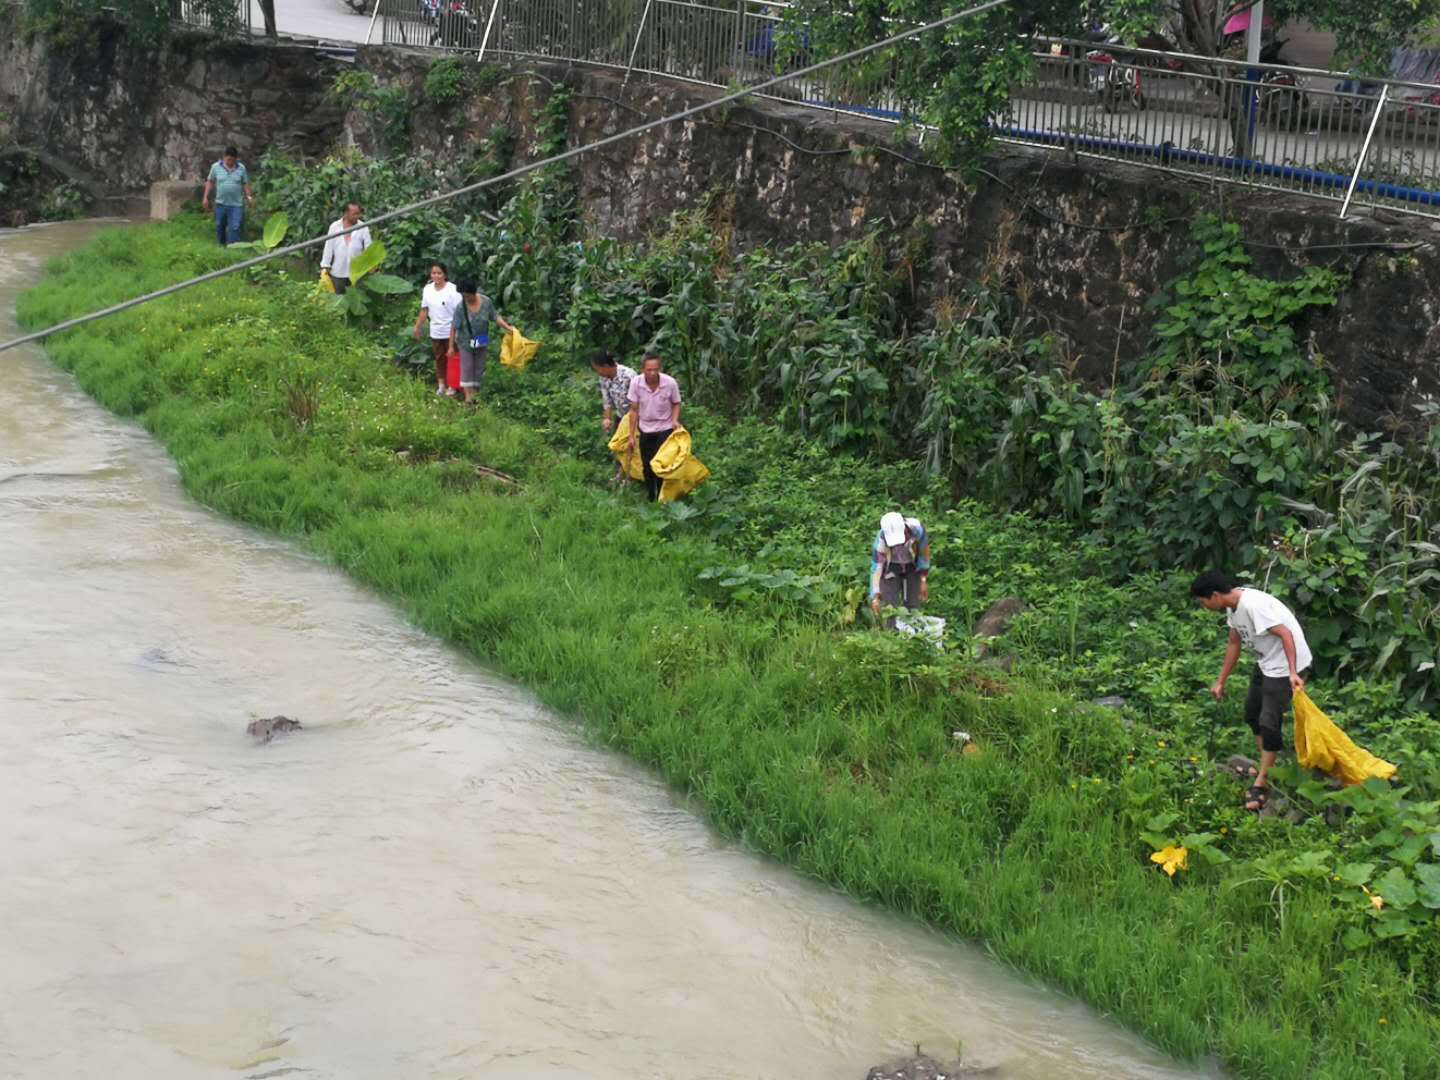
452 369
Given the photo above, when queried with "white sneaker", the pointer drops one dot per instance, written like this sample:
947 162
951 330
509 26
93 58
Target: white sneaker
439 391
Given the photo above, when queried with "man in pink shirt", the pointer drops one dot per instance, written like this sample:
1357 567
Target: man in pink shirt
655 401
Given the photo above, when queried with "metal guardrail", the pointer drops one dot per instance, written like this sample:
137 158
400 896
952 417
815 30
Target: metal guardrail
1305 131
229 16
1290 129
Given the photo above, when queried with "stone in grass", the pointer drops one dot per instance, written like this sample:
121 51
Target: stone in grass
1239 767
265 730
1110 701
995 622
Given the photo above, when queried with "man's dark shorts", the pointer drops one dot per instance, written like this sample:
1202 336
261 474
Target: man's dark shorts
1265 707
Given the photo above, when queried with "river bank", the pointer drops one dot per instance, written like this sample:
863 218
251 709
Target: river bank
830 749
434 877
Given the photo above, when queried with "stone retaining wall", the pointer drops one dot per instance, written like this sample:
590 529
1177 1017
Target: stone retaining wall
127 117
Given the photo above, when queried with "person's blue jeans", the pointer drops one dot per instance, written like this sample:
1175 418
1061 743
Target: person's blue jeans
227 223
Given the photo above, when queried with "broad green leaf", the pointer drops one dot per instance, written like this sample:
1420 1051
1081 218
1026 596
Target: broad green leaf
1410 850
1429 891
390 285
1393 924
366 261
1396 888
352 302
1311 863
1355 874
1209 852
276 226
1355 938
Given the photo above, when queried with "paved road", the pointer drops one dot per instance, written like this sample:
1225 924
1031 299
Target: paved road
330 20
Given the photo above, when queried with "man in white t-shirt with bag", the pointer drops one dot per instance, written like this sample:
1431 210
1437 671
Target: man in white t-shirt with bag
1269 629
340 250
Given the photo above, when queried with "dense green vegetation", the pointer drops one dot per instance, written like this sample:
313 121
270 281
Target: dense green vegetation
719 640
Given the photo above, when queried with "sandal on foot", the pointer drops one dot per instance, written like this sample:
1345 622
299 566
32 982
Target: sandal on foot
1257 795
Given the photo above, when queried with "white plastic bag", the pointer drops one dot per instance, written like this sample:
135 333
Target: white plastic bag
929 627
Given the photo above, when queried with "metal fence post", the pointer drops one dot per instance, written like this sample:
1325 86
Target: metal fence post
489 25
1365 149
644 15
373 16
740 6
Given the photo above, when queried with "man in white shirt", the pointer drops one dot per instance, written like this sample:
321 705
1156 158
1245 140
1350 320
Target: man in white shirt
340 250
1269 629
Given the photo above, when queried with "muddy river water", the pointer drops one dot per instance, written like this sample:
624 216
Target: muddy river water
434 878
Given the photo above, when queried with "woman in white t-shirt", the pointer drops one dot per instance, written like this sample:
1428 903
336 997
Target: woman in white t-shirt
438 301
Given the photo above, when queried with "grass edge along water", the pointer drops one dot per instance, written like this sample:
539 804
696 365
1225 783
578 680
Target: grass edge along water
829 750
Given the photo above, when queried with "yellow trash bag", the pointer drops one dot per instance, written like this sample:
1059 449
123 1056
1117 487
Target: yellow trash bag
326 284
516 350
683 480
1319 744
673 453
627 459
680 471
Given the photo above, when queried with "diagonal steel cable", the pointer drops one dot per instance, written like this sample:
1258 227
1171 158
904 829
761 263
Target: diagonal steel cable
519 171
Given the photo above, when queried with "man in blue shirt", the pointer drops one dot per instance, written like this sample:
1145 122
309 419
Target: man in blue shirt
229 182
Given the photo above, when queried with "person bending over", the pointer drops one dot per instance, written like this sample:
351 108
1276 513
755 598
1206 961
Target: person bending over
1263 625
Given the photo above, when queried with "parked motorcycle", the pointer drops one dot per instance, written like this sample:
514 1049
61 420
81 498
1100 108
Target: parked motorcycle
452 23
1283 101
1113 82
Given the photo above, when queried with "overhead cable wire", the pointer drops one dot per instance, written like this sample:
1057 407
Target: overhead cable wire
522 170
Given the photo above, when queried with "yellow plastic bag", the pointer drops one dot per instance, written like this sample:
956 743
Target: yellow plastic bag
1319 744
326 284
628 459
516 350
673 453
680 471
682 480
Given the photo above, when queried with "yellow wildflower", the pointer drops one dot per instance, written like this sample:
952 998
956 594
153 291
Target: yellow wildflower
1170 859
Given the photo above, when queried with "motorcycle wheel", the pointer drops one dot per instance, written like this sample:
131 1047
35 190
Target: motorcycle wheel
1110 96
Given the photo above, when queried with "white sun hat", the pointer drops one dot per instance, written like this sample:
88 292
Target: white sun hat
892 527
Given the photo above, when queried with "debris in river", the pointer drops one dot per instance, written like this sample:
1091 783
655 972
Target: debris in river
924 1067
267 729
